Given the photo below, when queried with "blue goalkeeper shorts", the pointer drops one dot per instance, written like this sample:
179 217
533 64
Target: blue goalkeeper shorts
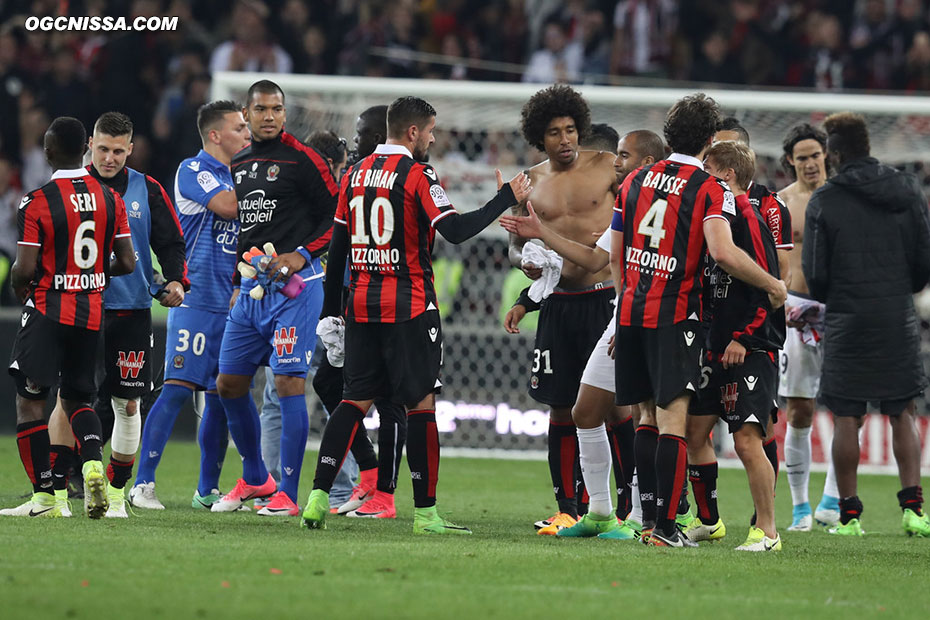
273 331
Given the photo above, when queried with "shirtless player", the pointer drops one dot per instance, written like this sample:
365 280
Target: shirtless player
573 196
804 156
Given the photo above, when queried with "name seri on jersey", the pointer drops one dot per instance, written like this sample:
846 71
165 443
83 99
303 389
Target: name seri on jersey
83 203
374 178
79 282
664 182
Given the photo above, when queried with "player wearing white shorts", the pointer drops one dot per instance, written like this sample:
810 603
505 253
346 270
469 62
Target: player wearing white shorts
594 405
799 367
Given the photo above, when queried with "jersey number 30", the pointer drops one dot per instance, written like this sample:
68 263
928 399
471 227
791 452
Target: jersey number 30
653 223
382 221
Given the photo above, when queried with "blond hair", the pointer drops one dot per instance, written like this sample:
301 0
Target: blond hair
739 157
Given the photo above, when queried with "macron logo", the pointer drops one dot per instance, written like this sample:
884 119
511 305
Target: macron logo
689 338
751 382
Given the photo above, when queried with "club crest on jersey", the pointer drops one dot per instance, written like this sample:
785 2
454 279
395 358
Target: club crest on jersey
729 394
284 340
179 361
130 363
273 173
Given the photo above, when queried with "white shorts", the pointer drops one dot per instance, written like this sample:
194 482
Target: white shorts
599 371
799 367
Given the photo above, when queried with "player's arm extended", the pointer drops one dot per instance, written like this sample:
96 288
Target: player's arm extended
529 227
167 240
516 242
737 263
458 227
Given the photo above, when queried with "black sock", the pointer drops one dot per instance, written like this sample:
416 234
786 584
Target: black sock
62 459
338 436
645 444
85 425
671 467
683 504
423 455
33 443
563 450
363 450
621 437
392 435
704 482
912 498
850 508
119 473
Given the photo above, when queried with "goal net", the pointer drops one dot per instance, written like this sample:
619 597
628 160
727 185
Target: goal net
484 403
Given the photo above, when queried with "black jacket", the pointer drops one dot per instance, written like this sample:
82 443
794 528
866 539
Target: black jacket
866 252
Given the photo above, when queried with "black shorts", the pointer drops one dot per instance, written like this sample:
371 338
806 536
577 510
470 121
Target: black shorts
847 408
45 351
570 324
125 369
399 362
739 394
657 363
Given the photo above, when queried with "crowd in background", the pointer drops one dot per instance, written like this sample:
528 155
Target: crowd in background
160 79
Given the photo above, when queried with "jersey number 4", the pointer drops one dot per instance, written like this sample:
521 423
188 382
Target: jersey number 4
382 221
653 223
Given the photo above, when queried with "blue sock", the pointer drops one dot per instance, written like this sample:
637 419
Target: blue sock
294 428
242 418
213 438
157 429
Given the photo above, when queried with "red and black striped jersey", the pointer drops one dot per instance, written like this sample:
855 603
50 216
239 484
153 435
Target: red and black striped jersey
736 310
663 207
74 219
775 213
390 204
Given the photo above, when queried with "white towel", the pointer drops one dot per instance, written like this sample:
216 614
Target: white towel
551 264
332 332
811 313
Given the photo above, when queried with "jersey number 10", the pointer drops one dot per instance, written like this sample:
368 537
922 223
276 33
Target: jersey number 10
382 221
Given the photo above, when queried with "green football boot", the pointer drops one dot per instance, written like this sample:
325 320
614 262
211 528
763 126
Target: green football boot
915 525
314 516
428 521
853 528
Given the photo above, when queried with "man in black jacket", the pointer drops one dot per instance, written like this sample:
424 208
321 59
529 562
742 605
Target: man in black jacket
866 252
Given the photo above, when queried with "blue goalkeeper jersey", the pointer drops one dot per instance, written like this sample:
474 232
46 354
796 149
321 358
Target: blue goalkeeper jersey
210 240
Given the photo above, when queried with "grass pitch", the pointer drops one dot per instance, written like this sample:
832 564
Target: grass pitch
182 563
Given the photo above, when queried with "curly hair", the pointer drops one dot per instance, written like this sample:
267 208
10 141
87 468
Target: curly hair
554 102
690 123
848 135
798 133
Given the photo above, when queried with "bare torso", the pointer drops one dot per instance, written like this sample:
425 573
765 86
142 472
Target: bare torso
577 203
796 198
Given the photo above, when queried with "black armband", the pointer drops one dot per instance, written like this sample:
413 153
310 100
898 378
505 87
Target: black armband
525 301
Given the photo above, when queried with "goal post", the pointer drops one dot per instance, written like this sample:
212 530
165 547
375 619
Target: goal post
485 405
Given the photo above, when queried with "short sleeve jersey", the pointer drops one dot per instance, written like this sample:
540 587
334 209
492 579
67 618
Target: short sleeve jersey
775 213
390 204
210 240
74 220
663 209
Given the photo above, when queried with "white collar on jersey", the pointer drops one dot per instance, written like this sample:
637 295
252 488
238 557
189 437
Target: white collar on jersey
70 174
686 159
392 149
